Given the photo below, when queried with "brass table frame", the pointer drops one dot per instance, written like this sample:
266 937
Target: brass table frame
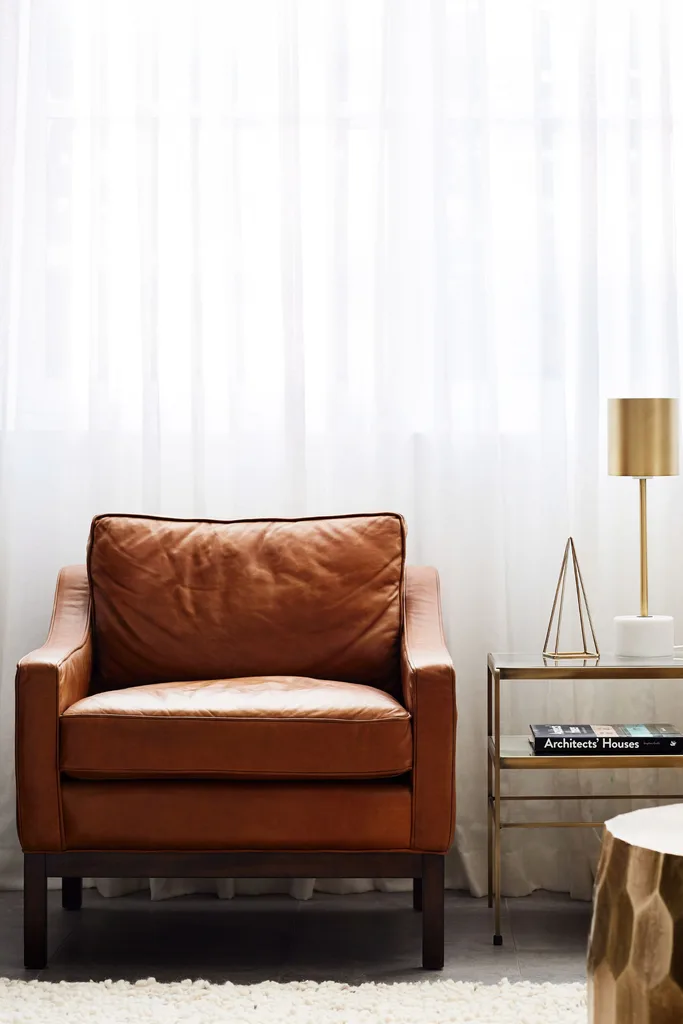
519 756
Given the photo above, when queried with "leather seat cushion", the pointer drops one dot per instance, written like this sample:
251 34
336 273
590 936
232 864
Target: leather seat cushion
274 727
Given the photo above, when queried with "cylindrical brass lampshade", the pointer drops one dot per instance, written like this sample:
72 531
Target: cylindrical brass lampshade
643 437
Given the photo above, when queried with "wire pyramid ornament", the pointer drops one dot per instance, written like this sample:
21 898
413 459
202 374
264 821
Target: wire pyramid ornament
582 600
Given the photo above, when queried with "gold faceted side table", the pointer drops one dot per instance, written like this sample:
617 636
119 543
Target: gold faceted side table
635 955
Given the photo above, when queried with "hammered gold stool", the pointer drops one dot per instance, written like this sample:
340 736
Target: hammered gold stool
635 954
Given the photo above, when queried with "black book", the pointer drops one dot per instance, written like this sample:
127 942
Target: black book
600 740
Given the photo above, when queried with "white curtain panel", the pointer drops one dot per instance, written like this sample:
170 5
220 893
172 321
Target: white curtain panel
293 257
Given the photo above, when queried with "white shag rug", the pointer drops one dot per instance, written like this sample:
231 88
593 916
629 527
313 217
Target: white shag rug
305 1002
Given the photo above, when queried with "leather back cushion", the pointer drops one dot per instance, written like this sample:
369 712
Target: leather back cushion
182 599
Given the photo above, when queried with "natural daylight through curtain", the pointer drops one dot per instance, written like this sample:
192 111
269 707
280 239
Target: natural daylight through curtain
284 257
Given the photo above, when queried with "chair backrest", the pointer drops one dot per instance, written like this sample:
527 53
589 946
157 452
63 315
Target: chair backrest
198 599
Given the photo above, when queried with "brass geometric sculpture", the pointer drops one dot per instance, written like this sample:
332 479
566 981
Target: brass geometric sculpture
570 552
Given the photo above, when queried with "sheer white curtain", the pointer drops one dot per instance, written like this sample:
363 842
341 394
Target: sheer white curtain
289 257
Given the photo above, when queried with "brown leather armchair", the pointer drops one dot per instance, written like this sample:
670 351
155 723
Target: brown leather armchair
256 698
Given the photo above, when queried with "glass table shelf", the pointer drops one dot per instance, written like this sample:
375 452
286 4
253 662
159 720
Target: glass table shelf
516 753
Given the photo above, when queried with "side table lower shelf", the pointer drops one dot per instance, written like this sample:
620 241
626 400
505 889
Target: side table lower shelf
516 754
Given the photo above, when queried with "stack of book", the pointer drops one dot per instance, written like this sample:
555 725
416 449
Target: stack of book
583 740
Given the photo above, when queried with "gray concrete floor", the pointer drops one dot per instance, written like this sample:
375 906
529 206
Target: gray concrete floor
369 937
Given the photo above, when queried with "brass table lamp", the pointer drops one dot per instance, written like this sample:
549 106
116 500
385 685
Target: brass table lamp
643 442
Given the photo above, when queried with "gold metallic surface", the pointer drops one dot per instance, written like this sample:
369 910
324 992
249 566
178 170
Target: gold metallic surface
635 949
582 600
497 838
643 442
489 770
643 437
514 752
628 797
609 666
643 548
552 824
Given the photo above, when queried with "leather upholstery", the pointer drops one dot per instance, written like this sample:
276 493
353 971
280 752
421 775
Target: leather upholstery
278 727
194 815
183 600
429 694
320 600
48 681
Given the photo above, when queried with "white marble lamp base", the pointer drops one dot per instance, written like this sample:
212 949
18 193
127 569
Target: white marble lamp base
638 636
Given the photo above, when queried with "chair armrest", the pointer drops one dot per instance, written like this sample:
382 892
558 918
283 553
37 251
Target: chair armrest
49 680
428 680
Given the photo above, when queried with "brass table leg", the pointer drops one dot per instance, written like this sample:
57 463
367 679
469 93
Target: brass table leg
489 819
489 789
497 937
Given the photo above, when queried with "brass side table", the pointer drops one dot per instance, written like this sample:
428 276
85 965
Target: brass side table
514 752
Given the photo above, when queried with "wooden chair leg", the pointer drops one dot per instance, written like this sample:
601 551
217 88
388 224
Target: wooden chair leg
432 911
72 893
417 894
35 911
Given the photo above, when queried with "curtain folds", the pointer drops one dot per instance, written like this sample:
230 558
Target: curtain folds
284 257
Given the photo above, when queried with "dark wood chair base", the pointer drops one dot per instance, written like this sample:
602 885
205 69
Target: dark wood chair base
432 911
426 870
72 893
35 910
417 894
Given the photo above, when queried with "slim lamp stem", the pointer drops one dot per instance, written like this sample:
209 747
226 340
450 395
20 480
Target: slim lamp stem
643 548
